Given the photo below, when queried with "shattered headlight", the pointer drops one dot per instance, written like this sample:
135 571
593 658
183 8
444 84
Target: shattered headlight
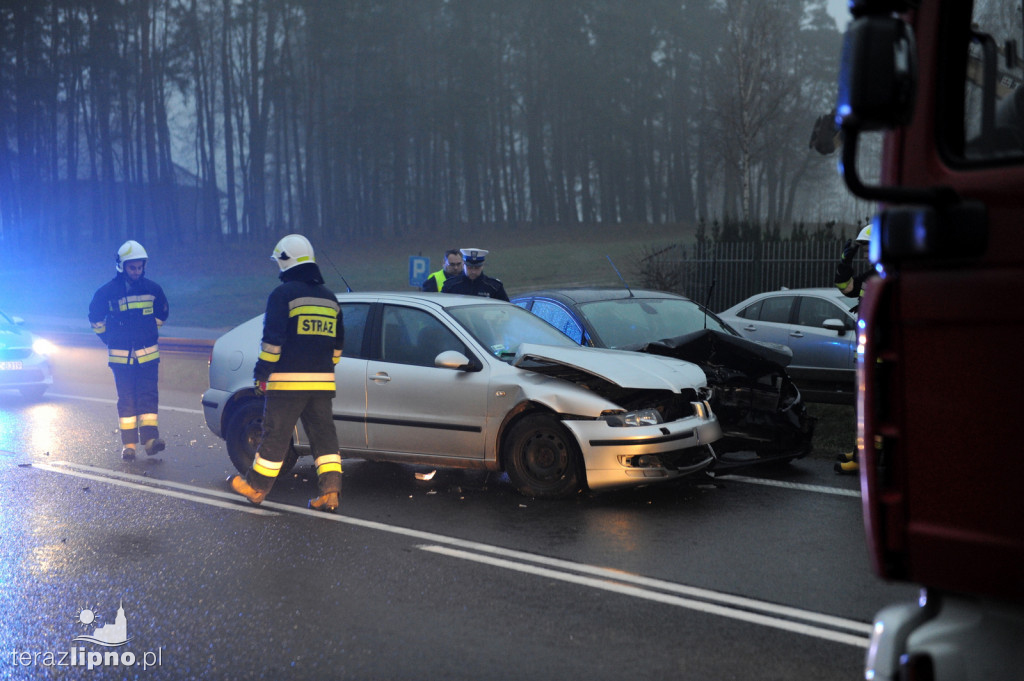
640 417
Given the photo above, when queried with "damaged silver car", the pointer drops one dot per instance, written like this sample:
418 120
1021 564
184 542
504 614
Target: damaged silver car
465 382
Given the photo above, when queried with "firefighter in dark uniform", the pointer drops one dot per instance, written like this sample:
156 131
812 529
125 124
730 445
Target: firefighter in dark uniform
302 342
452 267
473 281
852 286
127 313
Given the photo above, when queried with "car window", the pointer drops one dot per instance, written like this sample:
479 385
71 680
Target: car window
558 317
353 319
776 309
814 311
752 311
502 328
412 336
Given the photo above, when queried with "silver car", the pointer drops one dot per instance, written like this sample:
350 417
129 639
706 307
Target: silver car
466 382
818 325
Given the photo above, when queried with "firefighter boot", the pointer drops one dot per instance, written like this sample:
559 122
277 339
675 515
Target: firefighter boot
155 445
128 453
327 503
846 456
241 486
846 467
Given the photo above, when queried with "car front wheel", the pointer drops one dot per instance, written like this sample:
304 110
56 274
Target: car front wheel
541 458
244 434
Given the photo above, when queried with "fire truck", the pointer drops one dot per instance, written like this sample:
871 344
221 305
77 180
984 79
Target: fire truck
941 328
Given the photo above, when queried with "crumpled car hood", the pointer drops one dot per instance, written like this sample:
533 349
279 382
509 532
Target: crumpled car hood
755 399
736 352
624 369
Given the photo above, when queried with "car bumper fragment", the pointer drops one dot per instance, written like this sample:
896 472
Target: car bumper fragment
616 457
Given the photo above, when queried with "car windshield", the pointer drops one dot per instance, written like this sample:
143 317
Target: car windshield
503 328
848 303
633 321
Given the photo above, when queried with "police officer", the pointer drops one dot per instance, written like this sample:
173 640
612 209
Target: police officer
452 267
473 281
302 342
852 286
127 313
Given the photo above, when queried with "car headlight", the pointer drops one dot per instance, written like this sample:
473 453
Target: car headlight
640 417
43 347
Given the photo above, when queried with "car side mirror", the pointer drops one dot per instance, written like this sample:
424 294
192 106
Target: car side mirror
836 325
451 359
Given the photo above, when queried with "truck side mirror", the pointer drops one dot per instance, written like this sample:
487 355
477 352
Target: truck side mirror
877 86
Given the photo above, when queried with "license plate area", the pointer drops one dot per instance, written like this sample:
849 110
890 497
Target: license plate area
10 366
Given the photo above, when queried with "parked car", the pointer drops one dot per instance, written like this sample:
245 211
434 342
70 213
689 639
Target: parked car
818 325
24 359
758 406
468 382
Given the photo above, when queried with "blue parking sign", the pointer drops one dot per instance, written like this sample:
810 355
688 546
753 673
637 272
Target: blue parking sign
419 268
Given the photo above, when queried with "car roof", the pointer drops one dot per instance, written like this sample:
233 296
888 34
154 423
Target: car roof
577 295
440 300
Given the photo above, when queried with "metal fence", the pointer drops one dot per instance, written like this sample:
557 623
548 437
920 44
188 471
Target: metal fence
741 269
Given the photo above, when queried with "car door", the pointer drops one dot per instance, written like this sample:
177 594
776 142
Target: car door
767 319
415 407
816 346
349 403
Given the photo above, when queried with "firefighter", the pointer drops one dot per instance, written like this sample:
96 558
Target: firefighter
852 286
452 267
127 313
473 281
302 343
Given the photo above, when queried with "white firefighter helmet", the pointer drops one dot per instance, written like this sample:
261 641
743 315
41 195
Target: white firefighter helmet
292 250
130 250
865 235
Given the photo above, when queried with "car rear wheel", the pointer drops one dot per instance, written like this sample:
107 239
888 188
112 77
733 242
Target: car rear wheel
541 458
244 433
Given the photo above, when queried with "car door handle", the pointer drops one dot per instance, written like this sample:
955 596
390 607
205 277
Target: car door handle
750 327
380 377
796 334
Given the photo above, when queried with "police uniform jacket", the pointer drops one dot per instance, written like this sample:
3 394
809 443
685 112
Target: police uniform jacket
481 286
127 317
302 334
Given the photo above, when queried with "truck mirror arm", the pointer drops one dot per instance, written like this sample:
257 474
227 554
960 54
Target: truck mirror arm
937 197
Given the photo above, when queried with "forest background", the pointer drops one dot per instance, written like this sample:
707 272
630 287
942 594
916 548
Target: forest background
177 122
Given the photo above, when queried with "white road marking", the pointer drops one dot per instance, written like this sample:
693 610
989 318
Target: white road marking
821 489
615 583
749 610
145 484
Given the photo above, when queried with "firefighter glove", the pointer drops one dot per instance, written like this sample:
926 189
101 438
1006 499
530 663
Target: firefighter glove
849 252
